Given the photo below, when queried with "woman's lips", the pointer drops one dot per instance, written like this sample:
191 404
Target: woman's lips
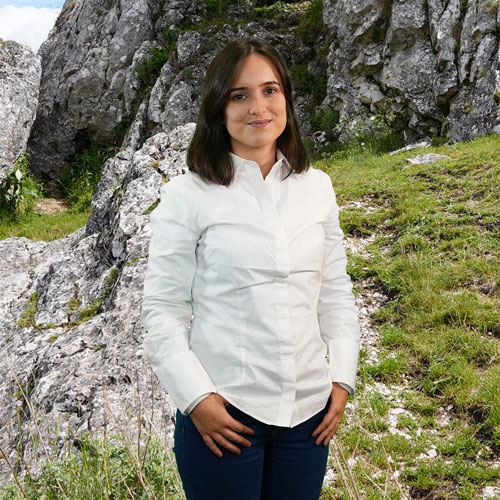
259 123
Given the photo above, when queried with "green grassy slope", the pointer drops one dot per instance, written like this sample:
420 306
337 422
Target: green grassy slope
436 254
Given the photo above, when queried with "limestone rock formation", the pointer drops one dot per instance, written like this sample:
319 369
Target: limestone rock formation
436 63
70 312
93 73
20 72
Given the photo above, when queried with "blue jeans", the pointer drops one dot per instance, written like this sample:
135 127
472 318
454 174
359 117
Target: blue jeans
282 463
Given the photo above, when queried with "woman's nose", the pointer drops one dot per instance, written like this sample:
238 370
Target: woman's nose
256 105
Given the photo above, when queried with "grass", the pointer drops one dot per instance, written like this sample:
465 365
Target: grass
436 255
47 227
104 469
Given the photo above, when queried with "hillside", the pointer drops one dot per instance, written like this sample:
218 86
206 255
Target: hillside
426 418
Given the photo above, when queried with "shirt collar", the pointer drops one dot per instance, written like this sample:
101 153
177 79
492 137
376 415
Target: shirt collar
238 162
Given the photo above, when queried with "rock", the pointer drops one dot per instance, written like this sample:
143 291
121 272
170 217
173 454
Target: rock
92 64
490 492
70 314
432 453
423 144
436 64
426 159
20 72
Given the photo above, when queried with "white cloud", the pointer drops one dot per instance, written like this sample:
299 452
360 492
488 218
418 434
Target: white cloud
27 24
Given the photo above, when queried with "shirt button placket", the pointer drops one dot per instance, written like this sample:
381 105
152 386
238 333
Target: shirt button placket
270 216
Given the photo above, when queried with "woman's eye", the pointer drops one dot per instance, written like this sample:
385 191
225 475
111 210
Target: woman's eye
238 97
270 90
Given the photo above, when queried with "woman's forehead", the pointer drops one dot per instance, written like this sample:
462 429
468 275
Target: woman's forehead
255 69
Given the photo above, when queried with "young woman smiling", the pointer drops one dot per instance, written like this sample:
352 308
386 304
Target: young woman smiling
247 293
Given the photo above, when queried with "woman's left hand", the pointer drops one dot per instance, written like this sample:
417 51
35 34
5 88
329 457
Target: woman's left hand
331 421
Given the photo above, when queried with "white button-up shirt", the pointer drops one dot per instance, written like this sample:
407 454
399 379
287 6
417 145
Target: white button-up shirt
260 269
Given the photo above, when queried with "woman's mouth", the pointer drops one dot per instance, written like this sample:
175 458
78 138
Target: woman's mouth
259 123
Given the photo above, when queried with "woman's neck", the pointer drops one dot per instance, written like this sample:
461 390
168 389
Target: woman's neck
265 157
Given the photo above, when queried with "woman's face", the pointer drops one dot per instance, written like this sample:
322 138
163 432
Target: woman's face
255 114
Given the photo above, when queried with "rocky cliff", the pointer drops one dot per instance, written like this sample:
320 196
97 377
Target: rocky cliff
20 72
435 64
70 327
91 73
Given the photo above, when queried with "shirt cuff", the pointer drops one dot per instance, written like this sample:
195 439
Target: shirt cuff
347 387
192 405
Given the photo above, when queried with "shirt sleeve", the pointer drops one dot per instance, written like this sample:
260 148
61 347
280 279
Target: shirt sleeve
337 314
167 300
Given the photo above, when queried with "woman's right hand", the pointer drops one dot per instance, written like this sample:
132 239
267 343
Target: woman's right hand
217 427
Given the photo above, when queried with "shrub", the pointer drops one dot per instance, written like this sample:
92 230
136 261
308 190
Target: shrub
18 190
79 178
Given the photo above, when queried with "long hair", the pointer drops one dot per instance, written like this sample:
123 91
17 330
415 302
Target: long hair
208 153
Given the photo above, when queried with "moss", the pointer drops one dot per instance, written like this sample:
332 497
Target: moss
188 73
306 83
90 311
95 307
311 27
132 262
151 207
28 317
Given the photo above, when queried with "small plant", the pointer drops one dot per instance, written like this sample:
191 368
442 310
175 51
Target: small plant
79 178
218 8
151 66
325 120
378 133
311 27
306 83
18 190
28 317
269 11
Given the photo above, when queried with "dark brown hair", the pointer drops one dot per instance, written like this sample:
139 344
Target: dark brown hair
208 153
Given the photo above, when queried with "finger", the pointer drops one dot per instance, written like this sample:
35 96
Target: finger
327 435
242 429
322 426
212 446
226 443
237 438
237 426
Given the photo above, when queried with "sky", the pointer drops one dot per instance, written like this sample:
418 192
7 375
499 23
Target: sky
28 22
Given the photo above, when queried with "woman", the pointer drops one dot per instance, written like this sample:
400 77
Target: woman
248 244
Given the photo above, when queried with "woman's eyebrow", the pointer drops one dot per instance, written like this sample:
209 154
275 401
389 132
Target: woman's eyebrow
272 82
